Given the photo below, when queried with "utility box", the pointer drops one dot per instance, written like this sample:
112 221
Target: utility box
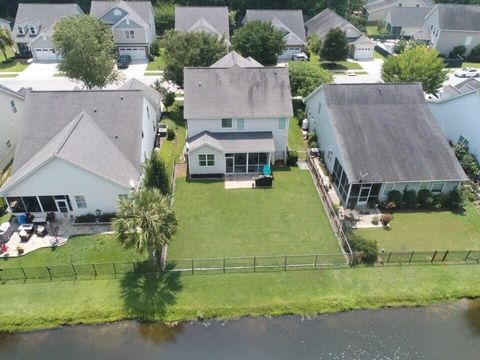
6 232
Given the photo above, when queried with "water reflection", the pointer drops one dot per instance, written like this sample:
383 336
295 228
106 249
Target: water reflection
472 316
158 333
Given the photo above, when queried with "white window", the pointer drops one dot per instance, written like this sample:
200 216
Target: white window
462 141
130 34
206 159
117 12
437 187
319 107
148 112
13 106
20 30
387 187
9 143
122 196
282 123
80 200
423 185
32 30
468 40
240 124
227 123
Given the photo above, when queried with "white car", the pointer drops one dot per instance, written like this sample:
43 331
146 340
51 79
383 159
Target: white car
467 72
300 57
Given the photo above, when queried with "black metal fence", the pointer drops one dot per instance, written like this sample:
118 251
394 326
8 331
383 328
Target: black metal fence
434 257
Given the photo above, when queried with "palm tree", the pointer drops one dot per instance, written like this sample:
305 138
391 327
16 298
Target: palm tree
146 222
5 41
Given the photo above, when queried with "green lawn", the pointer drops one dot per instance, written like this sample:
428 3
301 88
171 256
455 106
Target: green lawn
372 30
173 297
78 250
470 64
377 55
295 136
287 219
11 66
158 63
172 149
428 231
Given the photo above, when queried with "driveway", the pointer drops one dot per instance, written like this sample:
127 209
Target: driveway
136 69
39 70
372 67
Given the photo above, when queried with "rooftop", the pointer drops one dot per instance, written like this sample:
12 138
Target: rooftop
458 17
209 18
329 19
408 16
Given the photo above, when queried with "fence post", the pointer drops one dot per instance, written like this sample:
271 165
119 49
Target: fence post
316 259
468 254
114 269
411 256
23 271
286 262
224 265
74 271
433 257
193 270
388 259
49 272
254 264
445 256
94 269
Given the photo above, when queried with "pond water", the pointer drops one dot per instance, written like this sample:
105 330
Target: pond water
450 331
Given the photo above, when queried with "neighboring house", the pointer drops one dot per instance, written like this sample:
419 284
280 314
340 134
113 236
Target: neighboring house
238 115
132 23
376 138
451 25
457 114
210 19
360 46
79 152
376 10
150 93
290 22
405 21
34 25
11 110
5 24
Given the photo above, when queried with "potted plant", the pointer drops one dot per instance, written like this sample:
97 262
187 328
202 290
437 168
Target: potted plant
20 250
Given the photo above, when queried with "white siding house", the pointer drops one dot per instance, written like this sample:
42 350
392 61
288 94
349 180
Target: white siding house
375 138
11 111
237 115
376 10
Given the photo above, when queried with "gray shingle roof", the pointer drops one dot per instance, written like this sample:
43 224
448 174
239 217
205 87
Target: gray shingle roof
379 4
150 93
291 19
458 17
388 132
408 16
82 127
20 93
42 16
261 141
234 58
138 10
329 19
212 93
209 16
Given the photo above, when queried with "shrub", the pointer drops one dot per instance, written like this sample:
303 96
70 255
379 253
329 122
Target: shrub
365 250
390 205
313 145
156 175
457 51
375 220
474 55
396 197
311 137
440 201
456 199
400 46
292 158
106 217
468 162
410 199
168 99
155 49
170 132
86 218
425 198
386 218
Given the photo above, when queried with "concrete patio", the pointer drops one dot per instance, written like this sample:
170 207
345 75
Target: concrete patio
241 181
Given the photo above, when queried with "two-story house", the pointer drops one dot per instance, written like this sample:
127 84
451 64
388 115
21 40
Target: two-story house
34 26
237 113
132 23
376 138
290 22
11 110
80 151
376 10
405 21
451 25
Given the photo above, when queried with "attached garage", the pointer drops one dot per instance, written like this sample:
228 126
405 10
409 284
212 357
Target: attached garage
362 48
364 52
136 53
44 54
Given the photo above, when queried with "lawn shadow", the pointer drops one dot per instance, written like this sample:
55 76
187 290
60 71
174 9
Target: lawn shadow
146 294
333 66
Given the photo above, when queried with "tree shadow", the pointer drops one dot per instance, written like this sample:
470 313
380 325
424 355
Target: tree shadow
159 333
147 292
472 315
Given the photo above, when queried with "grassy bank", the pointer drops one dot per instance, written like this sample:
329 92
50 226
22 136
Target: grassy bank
176 297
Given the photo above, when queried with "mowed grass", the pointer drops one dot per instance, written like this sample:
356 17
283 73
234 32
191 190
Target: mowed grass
295 136
11 66
288 219
88 249
429 231
158 63
372 30
174 297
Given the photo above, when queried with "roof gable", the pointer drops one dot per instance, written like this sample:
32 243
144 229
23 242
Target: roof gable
139 11
234 58
408 16
458 17
328 19
203 18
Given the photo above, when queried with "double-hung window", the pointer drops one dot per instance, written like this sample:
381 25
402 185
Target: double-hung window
240 124
226 123
282 123
206 159
13 106
130 34
33 31
80 200
462 141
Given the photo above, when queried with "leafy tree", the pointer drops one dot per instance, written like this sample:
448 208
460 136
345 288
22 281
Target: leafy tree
335 46
5 41
155 174
417 64
457 51
184 49
475 54
164 17
315 44
168 97
88 51
146 222
306 77
259 40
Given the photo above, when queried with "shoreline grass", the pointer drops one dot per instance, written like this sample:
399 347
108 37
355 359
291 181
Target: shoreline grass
39 305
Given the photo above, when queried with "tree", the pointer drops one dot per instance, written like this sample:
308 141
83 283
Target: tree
168 97
335 46
417 64
315 44
259 40
184 49
88 51
156 175
5 41
164 17
306 77
146 222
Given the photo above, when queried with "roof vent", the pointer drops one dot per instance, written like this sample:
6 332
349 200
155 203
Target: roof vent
94 110
121 97
380 91
199 84
116 136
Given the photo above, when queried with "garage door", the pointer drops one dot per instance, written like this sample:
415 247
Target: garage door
45 54
136 53
365 52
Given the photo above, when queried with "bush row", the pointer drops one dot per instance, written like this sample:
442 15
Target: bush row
425 199
91 218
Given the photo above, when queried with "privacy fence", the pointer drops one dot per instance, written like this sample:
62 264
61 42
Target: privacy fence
225 265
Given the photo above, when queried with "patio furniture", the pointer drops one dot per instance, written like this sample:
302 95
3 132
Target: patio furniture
263 181
24 235
41 230
26 227
40 220
6 232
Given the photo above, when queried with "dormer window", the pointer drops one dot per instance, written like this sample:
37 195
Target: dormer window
32 29
20 30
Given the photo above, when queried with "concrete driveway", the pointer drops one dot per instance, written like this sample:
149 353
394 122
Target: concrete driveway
372 67
39 70
136 69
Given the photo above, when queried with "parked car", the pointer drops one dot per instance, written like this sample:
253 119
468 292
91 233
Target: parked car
300 57
123 61
467 72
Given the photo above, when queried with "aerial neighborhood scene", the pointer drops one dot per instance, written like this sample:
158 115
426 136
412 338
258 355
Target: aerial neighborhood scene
300 179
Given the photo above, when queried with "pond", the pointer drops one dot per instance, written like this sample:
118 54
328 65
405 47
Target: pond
448 331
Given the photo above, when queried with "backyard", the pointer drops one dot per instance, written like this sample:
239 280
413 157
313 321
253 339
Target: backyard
11 65
429 231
